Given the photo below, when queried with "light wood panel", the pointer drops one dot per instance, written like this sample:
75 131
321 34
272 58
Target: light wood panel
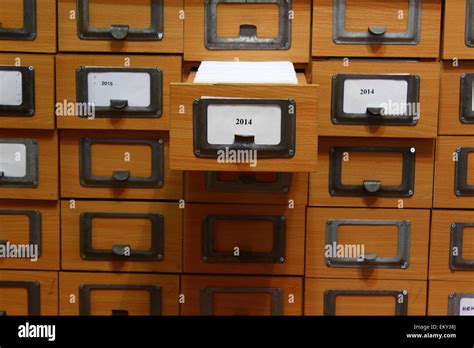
439 292
454 33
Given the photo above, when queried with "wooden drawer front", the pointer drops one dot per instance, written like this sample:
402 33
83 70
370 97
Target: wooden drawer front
248 188
367 243
28 26
458 38
376 28
30 78
250 30
365 297
28 293
118 294
452 245
394 173
29 235
454 173
456 116
241 296
451 298
244 239
142 74
121 25
29 165
149 238
119 165
354 99
195 150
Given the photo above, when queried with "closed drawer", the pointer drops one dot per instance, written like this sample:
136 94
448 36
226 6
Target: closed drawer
116 294
287 143
29 165
247 30
375 172
29 235
121 26
244 239
386 99
118 165
29 80
456 114
28 293
247 188
376 28
451 298
115 92
458 38
365 297
367 243
28 26
452 245
121 236
454 173
241 296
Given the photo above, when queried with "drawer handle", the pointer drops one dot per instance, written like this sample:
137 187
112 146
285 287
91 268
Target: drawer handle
370 257
118 104
121 250
248 183
244 139
374 30
3 313
121 175
248 31
119 312
119 32
372 186
371 111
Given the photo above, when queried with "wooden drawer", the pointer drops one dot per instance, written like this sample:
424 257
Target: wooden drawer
246 188
364 297
28 293
30 78
367 243
30 167
118 294
146 98
354 98
241 296
118 165
31 229
376 28
454 173
373 172
458 36
456 114
452 245
296 151
149 238
247 30
147 26
244 239
28 26
451 298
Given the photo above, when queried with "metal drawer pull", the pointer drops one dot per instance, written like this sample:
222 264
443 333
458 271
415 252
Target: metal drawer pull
377 30
248 31
119 32
121 176
375 111
120 250
3 313
370 257
119 312
118 104
372 186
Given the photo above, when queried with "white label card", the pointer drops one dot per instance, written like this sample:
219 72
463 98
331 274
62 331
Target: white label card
224 122
13 160
466 306
11 92
361 94
131 86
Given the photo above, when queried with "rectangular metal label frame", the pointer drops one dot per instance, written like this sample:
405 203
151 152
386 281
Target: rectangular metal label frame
30 180
454 302
456 260
28 32
27 107
34 222
33 294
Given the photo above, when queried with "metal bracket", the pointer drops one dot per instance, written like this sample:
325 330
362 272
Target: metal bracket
249 183
248 39
401 299
207 295
33 291
34 231
209 254
461 187
377 35
469 39
337 188
120 108
156 235
466 114
28 32
117 179
454 302
85 295
286 148
457 262
121 32
373 115
31 177
27 107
